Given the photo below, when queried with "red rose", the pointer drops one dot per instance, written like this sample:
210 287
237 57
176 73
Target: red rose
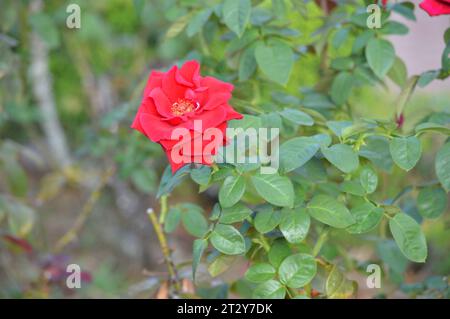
182 111
436 7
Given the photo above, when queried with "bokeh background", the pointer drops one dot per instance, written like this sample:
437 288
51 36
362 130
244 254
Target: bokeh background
75 180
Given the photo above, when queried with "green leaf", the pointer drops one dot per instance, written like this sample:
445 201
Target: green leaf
277 190
432 127
431 202
17 180
341 87
220 264
234 214
409 237
227 240
340 36
406 9
270 289
178 26
278 252
337 286
236 14
427 77
193 220
377 151
398 73
232 190
369 179
172 219
317 101
343 63
275 60
297 270
342 156
338 126
405 151
247 64
199 247
329 211
197 22
380 55
394 27
297 117
367 217
201 175
352 187
260 272
21 218
296 152
295 225
169 182
442 166
267 219
361 40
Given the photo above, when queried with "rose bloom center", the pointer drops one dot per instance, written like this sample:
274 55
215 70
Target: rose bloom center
183 106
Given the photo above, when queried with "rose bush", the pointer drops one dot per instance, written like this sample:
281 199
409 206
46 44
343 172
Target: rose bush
293 227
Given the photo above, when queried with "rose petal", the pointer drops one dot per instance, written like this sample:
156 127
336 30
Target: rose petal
435 7
162 102
188 74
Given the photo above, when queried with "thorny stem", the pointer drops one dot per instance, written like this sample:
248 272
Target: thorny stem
174 280
88 207
162 216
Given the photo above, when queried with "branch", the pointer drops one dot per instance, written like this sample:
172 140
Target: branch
73 232
174 279
41 82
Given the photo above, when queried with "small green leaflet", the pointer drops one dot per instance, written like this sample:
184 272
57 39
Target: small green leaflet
431 202
442 166
236 14
277 190
296 152
337 286
295 224
297 270
227 240
342 156
193 220
275 60
297 117
368 179
409 237
367 217
199 247
260 272
329 211
267 219
231 191
405 151
380 55
234 214
270 289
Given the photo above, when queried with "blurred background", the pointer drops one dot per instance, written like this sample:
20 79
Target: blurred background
75 180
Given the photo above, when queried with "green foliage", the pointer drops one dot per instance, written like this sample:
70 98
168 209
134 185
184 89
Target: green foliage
332 163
